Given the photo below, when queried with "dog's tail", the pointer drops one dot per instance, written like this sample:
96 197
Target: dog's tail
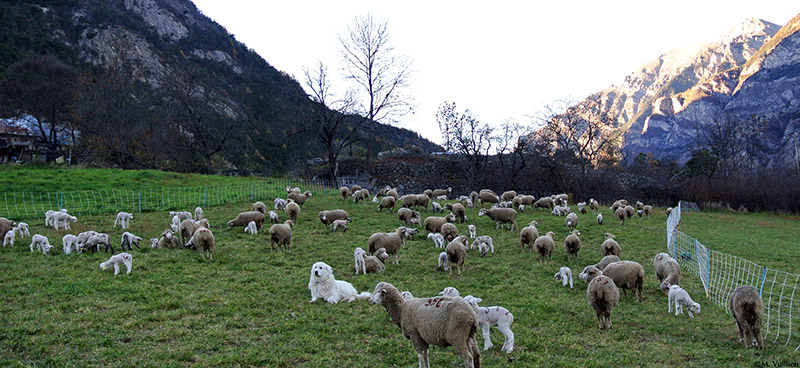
364 295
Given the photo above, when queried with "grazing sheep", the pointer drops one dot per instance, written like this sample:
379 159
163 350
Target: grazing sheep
473 196
681 298
472 231
244 218
375 263
62 219
629 212
667 270
405 215
360 195
449 231
189 226
167 240
273 217
441 321
647 210
390 241
599 218
340 223
484 244
116 260
582 207
393 193
571 221
182 215
388 202
423 200
281 235
487 196
450 291
251 228
545 202
69 244
560 211
572 243
22 230
436 207
508 195
519 202
48 220
456 253
627 275
620 214
128 239
438 239
440 198
443 261
602 293
293 211
344 192
328 217
198 213
40 242
434 224
176 224
290 190
324 286
607 260
565 275
355 188
441 192
593 205
501 216
257 206
610 246
280 204
358 256
639 213
10 236
747 310
301 198
93 243
528 235
460 212
493 316
408 201
84 236
544 246
203 240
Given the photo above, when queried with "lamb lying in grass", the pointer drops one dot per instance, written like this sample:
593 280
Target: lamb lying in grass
116 260
493 316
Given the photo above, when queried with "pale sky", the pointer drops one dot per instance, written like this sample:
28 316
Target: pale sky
503 60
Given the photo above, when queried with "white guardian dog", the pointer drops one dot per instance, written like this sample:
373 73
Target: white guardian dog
324 286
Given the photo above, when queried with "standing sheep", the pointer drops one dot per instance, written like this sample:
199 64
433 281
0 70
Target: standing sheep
260 207
188 227
358 257
40 242
460 212
251 228
328 217
198 213
620 214
6 225
123 219
116 260
565 275
680 298
293 211
572 243
280 204
571 221
434 224
667 270
501 216
599 218
243 218
519 202
493 316
747 310
391 241
22 230
344 192
629 212
176 224
593 205
545 202
405 215
203 240
128 239
528 235
10 236
603 295
386 202
449 231
487 197
340 223
69 243
647 210
627 275
301 198
610 246
484 244
508 195
281 235
273 217
544 246
442 321
456 254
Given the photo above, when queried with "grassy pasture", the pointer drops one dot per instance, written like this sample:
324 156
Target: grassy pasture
249 306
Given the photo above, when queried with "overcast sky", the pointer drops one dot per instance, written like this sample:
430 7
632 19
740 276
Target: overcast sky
502 61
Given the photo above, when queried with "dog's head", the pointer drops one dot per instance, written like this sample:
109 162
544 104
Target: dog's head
321 270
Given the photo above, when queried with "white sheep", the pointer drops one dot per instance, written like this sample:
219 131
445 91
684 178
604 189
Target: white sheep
450 291
182 215
251 228
198 213
493 316
176 224
501 216
407 295
359 255
40 242
571 221
94 242
438 239
436 207
273 217
22 230
116 260
565 275
484 244
49 216
69 244
443 261
8 239
472 231
582 207
442 321
340 223
62 219
680 298
280 204
123 219
599 218
130 239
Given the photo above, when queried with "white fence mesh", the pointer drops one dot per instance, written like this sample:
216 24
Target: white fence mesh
721 273
35 204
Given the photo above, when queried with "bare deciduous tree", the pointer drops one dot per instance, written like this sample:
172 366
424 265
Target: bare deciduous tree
462 133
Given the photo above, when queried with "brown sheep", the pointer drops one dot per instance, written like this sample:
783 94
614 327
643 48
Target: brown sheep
344 192
386 202
501 216
449 231
243 218
456 252
328 217
434 224
528 235
627 275
610 246
293 211
299 198
391 241
405 215
260 207
281 235
572 243
747 310
544 246
460 212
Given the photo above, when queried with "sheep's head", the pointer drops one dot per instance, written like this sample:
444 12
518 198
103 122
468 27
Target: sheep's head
534 224
589 273
551 234
382 290
576 232
694 307
482 212
381 254
450 291
473 301
450 218
153 242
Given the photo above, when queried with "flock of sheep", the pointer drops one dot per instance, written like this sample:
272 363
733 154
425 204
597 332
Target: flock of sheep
446 320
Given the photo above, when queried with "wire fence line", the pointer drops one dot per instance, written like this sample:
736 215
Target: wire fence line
26 205
721 273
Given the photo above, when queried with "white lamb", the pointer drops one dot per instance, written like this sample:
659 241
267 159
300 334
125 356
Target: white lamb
123 219
62 219
450 291
8 239
599 218
681 298
116 260
182 215
49 216
493 316
443 261
251 228
22 230
69 243
280 204
176 224
407 295
198 213
472 231
438 239
358 256
565 275
484 244
436 207
273 217
40 242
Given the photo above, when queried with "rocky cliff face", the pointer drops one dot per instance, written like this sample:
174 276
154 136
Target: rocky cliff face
751 71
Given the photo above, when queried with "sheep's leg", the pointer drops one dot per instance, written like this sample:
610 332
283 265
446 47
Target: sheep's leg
487 342
669 305
508 344
422 349
394 257
689 310
116 269
467 353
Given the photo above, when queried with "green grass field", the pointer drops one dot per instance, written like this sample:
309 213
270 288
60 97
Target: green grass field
250 305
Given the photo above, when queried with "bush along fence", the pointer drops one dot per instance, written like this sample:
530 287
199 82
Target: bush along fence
81 202
722 273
